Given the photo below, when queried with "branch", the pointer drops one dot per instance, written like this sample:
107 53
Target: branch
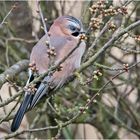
13 71
116 36
80 112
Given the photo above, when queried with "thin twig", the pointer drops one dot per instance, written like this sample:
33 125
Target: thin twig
3 21
42 18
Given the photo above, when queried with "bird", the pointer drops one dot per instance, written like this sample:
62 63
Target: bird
64 36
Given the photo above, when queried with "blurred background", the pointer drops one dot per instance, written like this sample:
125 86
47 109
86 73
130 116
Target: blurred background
115 113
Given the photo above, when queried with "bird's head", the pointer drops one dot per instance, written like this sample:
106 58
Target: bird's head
68 25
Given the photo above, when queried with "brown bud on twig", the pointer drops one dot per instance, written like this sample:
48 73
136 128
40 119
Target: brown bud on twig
95 23
83 37
112 26
51 52
33 67
122 10
60 67
126 67
15 5
137 37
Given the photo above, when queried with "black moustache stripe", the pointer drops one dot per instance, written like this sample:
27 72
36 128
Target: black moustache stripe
75 33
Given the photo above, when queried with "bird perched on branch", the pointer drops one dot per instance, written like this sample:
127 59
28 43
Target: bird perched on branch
64 35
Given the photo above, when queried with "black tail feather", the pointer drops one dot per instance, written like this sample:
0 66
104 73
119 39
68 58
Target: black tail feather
21 111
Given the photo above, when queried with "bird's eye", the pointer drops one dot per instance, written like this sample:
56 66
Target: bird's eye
75 30
72 28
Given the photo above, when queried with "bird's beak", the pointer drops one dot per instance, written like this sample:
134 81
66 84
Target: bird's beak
82 32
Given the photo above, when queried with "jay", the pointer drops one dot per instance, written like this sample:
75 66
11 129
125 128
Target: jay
63 37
